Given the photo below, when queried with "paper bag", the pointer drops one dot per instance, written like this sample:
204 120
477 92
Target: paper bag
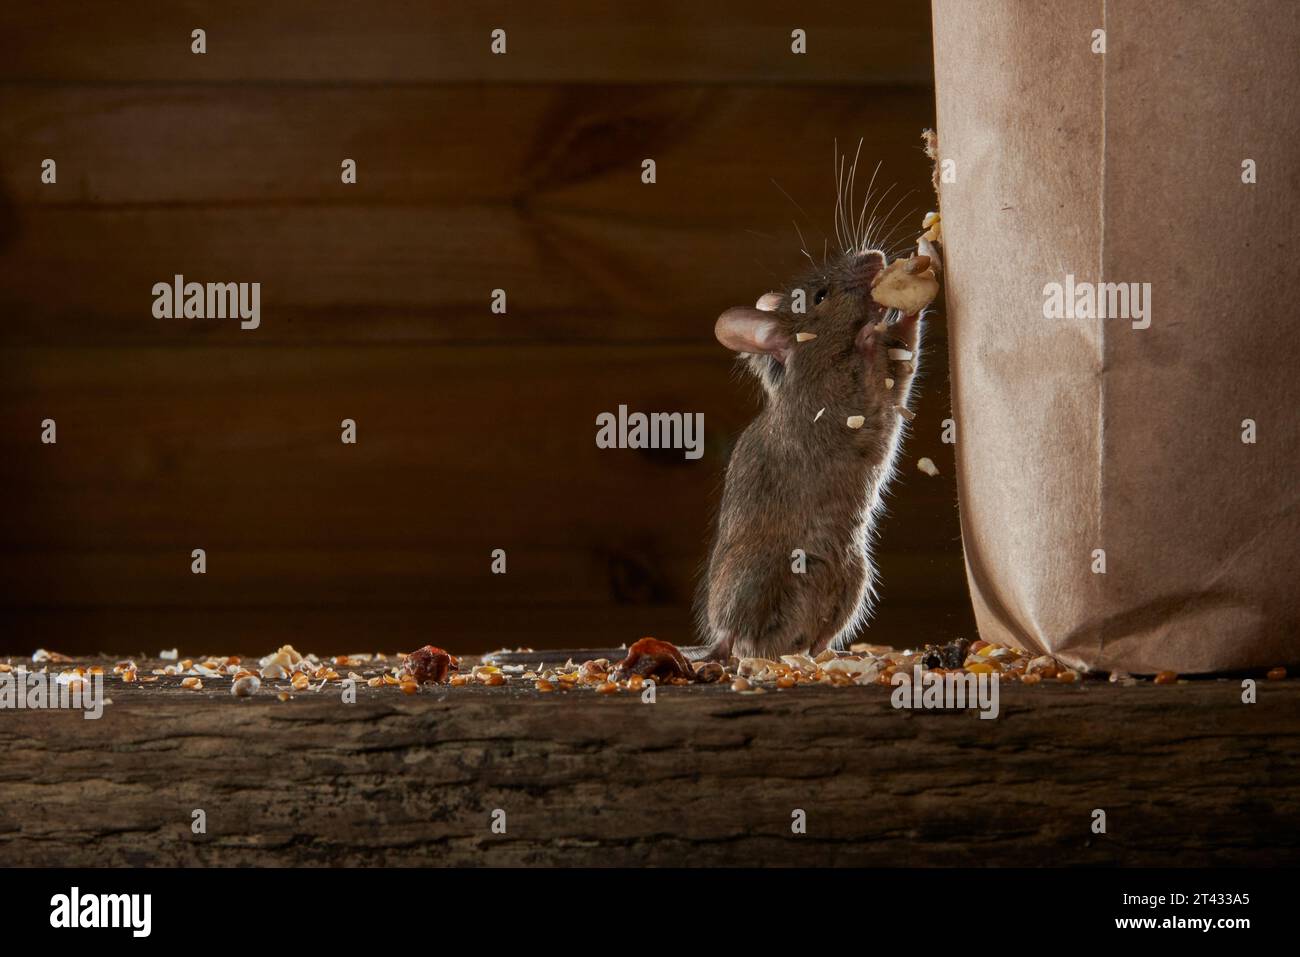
1127 485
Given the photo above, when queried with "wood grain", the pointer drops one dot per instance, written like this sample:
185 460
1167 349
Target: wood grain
1187 775
335 41
476 430
456 456
534 190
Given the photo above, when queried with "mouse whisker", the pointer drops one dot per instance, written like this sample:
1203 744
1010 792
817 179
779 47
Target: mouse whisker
867 199
803 245
885 219
848 212
871 217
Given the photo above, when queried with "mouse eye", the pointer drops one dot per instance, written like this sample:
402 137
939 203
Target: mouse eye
821 294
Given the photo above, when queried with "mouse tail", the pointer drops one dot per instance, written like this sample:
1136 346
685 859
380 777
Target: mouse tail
720 651
553 656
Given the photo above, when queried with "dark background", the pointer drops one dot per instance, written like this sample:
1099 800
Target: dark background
476 431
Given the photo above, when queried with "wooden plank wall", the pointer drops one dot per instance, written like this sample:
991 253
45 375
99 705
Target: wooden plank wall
476 431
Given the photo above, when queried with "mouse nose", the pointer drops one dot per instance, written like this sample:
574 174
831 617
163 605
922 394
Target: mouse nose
866 266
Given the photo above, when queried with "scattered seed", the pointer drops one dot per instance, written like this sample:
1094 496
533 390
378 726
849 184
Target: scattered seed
493 680
1276 674
785 681
1044 665
300 681
1031 679
430 664
283 696
1166 677
606 687
653 658
1067 677
245 687
194 684
740 684
544 686
708 672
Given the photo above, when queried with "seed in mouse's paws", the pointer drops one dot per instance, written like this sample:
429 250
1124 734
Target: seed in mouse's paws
928 467
895 287
905 412
855 421
768 302
804 336
899 355
917 264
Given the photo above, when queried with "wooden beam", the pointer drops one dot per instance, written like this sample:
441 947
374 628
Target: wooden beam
1187 775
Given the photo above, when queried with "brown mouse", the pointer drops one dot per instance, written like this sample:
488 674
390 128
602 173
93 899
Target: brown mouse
809 472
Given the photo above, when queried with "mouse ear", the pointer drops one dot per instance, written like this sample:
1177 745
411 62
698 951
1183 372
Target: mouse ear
746 329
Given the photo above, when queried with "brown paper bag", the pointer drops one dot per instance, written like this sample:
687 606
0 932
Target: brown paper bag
1082 441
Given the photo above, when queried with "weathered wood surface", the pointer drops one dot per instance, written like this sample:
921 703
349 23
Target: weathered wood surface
1187 774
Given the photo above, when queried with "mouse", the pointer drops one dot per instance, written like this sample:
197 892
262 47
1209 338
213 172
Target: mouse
790 569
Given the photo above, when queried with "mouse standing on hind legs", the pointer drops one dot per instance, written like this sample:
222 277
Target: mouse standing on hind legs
836 352
790 568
